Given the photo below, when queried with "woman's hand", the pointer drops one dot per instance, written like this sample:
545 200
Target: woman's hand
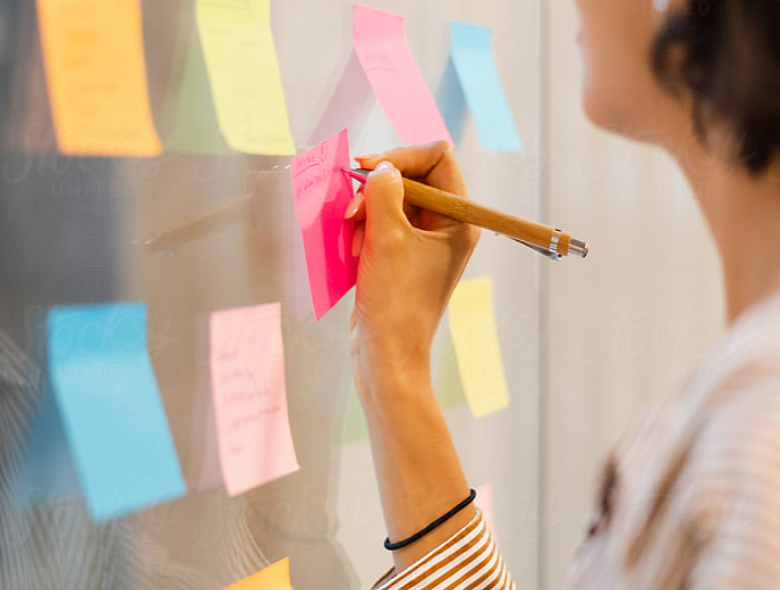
410 262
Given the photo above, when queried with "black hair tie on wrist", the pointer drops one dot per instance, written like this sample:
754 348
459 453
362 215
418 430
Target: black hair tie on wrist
439 521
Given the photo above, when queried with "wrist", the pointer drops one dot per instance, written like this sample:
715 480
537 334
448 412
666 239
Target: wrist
382 373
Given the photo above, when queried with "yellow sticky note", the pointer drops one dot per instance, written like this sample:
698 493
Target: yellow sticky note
274 577
93 55
244 74
474 335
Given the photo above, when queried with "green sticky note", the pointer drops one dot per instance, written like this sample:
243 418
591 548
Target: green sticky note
447 388
446 380
195 128
354 428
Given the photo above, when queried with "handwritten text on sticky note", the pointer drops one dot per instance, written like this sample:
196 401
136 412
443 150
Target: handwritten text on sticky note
476 69
395 77
474 335
250 399
96 75
321 193
274 577
110 406
241 61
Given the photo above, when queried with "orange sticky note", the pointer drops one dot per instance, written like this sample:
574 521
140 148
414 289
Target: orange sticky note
274 577
93 55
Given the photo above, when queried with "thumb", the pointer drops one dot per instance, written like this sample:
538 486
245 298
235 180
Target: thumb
384 196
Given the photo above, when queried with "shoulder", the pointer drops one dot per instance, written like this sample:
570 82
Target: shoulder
735 426
734 475
740 430
736 454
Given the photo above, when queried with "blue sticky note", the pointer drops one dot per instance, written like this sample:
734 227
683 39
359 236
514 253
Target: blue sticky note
49 473
473 60
114 421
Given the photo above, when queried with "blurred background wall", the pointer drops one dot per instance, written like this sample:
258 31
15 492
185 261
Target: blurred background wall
622 329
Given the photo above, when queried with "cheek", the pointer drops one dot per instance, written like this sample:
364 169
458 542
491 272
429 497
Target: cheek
618 84
606 82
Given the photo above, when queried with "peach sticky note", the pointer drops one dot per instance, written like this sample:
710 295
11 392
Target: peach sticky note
474 335
250 402
321 193
397 82
93 55
274 577
484 502
245 81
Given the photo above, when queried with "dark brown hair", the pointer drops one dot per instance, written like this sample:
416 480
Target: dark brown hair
726 54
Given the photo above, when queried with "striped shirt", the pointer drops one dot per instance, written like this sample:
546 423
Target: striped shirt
467 560
689 499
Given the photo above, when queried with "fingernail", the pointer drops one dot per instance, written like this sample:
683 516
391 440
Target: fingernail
352 209
366 157
384 167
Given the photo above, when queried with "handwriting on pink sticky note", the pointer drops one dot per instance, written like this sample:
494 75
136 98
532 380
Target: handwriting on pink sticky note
396 79
484 502
250 401
321 193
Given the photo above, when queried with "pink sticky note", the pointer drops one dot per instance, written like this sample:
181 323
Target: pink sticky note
321 193
484 502
250 401
398 83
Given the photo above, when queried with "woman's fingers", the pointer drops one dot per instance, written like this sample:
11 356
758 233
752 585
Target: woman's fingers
413 162
434 163
384 198
357 238
356 210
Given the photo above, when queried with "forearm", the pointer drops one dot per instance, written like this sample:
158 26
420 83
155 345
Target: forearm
420 476
410 261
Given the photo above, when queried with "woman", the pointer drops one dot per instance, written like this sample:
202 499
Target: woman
690 498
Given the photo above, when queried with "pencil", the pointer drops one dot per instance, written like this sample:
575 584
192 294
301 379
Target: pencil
550 241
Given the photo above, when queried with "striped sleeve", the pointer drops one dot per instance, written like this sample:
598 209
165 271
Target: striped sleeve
469 560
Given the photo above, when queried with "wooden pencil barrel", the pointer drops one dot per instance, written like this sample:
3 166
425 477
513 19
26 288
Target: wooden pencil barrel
468 211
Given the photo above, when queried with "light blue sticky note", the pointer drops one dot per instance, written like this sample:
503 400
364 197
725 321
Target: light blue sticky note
110 407
49 473
473 59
